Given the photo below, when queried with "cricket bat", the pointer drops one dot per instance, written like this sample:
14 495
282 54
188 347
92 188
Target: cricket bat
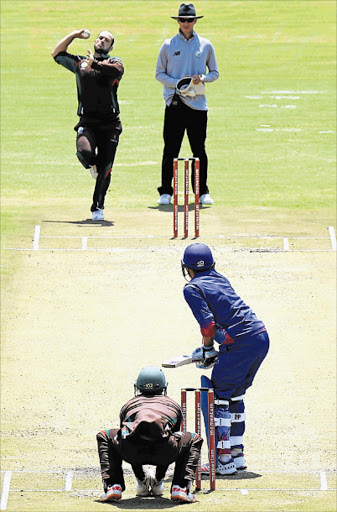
174 362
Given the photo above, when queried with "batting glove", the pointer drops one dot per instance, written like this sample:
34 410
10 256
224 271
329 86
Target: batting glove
204 357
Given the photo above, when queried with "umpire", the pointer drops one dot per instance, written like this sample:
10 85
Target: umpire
149 433
97 77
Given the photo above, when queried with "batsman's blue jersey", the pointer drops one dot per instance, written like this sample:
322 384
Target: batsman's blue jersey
217 307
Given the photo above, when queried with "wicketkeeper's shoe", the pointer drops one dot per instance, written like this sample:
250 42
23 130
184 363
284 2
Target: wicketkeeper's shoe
206 199
239 461
93 171
182 494
98 214
227 468
165 199
112 493
158 488
142 489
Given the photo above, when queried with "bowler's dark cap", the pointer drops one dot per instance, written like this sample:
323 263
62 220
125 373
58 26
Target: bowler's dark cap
186 11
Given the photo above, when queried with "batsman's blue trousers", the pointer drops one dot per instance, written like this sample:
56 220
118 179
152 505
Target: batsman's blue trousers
238 363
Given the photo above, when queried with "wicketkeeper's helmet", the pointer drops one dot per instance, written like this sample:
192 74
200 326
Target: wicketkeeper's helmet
197 257
151 381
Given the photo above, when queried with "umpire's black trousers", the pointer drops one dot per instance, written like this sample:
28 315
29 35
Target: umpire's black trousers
178 118
181 448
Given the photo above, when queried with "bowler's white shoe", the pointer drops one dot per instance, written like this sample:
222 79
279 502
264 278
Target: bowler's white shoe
165 199
98 214
206 199
93 171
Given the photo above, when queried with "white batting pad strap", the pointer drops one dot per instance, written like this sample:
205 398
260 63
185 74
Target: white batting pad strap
237 417
224 445
217 401
222 422
235 440
237 398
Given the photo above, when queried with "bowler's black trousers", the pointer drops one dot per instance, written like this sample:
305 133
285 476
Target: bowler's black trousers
96 144
178 119
181 448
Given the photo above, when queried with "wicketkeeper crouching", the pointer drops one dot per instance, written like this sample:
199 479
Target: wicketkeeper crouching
150 434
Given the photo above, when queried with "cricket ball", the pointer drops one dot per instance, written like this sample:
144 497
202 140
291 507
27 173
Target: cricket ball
86 33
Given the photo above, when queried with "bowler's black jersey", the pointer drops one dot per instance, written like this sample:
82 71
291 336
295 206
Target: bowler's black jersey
96 85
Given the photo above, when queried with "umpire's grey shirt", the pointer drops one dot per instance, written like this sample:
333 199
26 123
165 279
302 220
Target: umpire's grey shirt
179 57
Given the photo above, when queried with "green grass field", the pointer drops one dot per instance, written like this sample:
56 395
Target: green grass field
272 171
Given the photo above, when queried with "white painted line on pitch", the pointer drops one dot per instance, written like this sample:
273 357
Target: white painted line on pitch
134 164
244 492
84 243
290 92
36 240
323 480
332 238
285 244
69 481
5 490
286 97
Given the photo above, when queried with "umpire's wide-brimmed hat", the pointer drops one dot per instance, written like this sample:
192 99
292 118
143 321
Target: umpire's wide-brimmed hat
186 11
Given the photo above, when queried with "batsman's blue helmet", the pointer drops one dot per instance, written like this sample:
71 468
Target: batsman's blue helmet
198 257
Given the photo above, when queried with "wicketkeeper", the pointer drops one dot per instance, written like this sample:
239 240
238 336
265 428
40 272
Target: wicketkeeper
225 318
150 434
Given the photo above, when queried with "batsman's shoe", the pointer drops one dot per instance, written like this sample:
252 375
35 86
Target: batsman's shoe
227 468
206 199
93 171
158 488
112 493
240 462
142 489
182 494
98 215
165 199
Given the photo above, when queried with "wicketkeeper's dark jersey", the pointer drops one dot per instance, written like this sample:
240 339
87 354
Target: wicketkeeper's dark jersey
150 417
96 85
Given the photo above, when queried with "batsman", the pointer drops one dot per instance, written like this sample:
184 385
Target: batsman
243 344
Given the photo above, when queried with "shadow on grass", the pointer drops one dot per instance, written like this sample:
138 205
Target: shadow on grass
240 475
86 222
148 503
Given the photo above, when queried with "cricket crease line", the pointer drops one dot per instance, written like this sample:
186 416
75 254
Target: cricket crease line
69 481
153 249
222 489
36 239
84 243
323 480
332 238
5 490
96 472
